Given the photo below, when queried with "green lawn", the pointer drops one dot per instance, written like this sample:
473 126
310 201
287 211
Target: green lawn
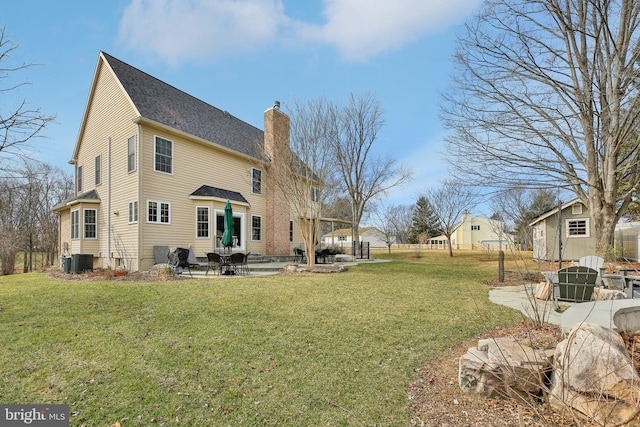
299 350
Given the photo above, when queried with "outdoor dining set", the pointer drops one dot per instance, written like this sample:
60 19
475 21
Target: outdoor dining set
228 264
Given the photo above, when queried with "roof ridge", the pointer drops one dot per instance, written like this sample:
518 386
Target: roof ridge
155 87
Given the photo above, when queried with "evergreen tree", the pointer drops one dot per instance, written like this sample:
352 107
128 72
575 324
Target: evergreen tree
425 222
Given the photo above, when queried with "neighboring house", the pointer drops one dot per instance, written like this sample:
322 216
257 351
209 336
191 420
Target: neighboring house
154 166
576 236
343 238
473 233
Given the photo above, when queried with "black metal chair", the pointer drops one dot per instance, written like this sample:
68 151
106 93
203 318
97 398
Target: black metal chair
299 253
235 261
214 262
245 264
183 260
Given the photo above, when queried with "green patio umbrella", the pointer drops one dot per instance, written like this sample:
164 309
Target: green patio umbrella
227 235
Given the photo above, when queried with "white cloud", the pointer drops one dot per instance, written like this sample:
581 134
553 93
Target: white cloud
177 30
364 28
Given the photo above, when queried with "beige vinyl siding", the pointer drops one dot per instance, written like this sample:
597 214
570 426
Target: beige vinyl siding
194 164
108 125
65 232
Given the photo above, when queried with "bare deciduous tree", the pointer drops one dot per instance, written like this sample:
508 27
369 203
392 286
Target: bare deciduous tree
518 207
449 202
27 223
306 167
394 221
364 176
546 95
19 123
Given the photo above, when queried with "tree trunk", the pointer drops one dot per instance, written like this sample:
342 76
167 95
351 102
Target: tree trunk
450 248
8 261
604 225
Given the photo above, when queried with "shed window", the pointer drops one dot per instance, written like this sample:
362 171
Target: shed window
577 227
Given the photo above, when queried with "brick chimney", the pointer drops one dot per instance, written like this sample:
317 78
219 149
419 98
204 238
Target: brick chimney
276 147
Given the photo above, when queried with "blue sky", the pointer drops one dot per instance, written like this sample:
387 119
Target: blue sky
241 55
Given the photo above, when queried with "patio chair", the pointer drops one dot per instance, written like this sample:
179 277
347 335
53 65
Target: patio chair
326 256
299 253
235 261
193 261
575 284
214 262
595 262
245 264
183 260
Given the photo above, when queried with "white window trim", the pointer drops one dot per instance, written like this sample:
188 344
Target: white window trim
136 210
98 171
84 225
159 202
261 228
135 154
261 180
576 236
173 154
79 178
77 236
243 228
576 209
208 223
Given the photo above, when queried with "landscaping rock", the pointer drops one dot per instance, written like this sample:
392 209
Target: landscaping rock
503 367
594 377
601 294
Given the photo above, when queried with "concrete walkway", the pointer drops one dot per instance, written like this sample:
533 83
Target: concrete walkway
522 299
598 312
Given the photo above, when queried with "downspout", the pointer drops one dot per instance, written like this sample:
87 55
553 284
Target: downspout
109 200
141 207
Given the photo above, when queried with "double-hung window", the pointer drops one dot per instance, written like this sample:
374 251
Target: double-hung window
79 179
90 223
164 155
98 170
158 212
133 211
75 224
256 181
256 227
202 222
131 154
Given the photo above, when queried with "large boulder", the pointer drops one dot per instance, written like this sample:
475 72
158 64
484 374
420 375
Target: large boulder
503 367
594 377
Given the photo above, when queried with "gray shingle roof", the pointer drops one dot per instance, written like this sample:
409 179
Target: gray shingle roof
163 103
208 191
89 196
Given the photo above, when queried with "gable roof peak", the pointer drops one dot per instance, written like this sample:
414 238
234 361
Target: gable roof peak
165 104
